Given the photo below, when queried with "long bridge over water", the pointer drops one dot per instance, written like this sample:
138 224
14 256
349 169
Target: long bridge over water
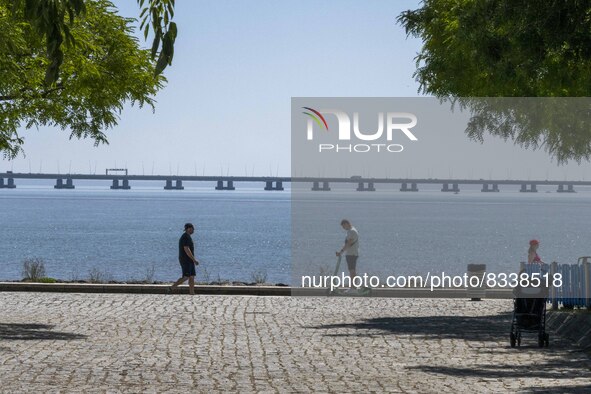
175 182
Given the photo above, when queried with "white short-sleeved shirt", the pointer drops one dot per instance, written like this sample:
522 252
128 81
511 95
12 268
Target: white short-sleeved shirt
352 237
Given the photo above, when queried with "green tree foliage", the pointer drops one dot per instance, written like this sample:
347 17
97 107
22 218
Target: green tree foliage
560 125
51 19
158 15
101 66
508 48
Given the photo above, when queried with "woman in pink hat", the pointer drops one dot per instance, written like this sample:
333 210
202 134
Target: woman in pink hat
532 253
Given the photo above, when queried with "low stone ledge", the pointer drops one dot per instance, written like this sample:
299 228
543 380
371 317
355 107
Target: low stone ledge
234 290
142 288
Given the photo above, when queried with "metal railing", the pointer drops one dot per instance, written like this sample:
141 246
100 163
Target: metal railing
575 289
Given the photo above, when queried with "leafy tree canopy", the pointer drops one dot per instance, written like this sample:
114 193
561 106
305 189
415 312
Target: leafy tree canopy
508 48
74 63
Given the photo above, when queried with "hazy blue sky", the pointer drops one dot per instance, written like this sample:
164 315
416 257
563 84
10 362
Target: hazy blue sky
226 108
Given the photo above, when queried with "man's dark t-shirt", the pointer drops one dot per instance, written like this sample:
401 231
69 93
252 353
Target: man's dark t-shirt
186 240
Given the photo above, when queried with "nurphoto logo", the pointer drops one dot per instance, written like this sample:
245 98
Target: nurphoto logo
395 122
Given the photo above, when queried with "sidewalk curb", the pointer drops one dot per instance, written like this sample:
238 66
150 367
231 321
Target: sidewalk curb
142 288
233 290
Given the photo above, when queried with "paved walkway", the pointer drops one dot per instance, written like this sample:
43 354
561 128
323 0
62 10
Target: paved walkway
54 342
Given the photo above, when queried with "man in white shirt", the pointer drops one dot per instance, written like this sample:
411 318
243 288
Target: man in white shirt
351 247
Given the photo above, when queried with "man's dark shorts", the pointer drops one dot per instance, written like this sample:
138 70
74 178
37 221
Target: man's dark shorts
351 262
188 267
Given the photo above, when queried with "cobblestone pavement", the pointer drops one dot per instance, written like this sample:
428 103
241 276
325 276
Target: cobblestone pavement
52 342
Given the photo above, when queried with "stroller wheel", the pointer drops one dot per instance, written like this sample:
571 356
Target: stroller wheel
541 340
512 340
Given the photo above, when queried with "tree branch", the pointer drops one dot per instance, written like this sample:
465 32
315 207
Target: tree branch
42 94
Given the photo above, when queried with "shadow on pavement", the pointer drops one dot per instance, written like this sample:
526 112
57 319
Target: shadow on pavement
470 328
21 332
565 361
561 390
559 368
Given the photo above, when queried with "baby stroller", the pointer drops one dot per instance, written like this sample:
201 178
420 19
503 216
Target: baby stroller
529 307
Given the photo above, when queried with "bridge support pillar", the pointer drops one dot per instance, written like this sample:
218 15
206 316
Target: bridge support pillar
325 187
369 188
569 189
178 185
413 187
59 184
278 185
532 189
455 188
123 186
9 185
229 185
493 188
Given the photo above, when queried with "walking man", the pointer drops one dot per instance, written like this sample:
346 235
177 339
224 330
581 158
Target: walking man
350 248
187 259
